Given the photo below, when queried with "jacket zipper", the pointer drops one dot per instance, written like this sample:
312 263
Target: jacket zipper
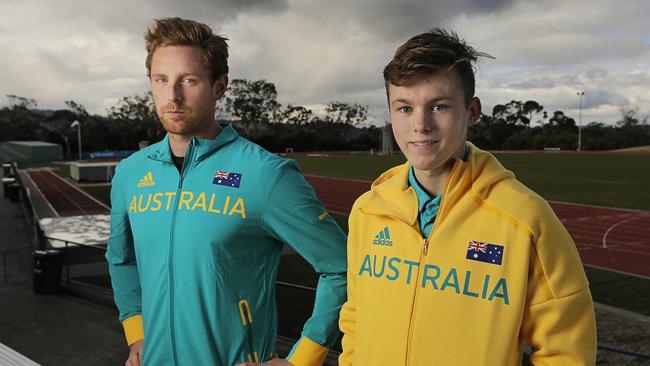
170 268
423 255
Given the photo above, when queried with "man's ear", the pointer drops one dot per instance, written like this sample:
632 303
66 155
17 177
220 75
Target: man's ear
473 111
220 85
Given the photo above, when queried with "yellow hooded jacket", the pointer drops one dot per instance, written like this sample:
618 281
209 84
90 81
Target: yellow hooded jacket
498 270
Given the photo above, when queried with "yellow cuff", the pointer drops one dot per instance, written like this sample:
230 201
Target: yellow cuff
133 329
307 353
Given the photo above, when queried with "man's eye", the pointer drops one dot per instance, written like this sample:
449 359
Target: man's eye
440 107
189 81
161 81
405 109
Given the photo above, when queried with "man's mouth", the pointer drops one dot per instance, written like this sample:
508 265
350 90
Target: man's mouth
424 143
175 114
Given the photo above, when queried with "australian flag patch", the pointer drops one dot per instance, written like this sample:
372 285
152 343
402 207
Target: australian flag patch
227 179
485 252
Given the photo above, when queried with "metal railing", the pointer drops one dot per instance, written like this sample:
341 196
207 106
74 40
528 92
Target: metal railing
98 246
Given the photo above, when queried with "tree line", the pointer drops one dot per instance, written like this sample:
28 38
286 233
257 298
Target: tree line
253 108
509 127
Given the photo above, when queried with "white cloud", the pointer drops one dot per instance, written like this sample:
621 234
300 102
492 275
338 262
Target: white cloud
315 52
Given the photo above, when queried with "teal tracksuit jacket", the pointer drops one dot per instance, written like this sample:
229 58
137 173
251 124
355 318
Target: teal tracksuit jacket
193 256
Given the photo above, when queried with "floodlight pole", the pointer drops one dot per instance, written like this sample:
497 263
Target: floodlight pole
78 125
580 95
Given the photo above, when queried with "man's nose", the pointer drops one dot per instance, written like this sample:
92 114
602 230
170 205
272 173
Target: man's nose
422 121
176 93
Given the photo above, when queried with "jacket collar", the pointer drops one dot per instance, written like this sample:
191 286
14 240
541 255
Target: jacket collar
202 147
391 195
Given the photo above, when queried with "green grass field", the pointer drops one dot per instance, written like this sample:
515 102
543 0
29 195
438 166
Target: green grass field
102 193
599 179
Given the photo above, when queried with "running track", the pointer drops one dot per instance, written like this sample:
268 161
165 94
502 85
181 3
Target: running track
613 238
63 197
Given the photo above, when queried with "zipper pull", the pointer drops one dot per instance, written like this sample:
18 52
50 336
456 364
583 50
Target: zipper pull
425 247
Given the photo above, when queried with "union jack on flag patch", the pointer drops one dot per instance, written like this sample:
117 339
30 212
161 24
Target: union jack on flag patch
484 252
227 179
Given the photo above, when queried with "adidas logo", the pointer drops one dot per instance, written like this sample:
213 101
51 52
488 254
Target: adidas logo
146 181
383 238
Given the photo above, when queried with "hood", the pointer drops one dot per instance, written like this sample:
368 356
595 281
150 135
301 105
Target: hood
391 195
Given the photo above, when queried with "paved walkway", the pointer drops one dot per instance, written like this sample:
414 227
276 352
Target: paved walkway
56 330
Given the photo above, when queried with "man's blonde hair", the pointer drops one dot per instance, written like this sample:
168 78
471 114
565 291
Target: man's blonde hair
184 32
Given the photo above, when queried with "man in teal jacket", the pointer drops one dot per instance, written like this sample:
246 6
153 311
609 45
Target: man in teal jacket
198 222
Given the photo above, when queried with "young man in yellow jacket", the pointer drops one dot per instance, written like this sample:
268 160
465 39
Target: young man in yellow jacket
451 260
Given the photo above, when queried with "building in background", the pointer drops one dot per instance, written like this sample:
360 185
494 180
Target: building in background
30 151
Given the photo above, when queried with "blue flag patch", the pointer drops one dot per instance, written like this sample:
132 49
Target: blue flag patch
227 179
484 252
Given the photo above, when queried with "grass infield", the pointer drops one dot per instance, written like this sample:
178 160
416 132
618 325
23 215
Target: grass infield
598 179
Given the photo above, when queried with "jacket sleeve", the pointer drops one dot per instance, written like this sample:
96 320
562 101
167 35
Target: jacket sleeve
559 321
347 321
296 217
122 265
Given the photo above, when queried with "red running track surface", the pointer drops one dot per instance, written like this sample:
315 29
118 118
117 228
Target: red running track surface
612 238
66 199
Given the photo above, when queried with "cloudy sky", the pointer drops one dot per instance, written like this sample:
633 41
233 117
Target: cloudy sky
317 51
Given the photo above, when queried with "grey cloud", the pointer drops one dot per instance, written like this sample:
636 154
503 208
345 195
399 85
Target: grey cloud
597 73
395 21
543 82
129 16
573 80
317 51
596 98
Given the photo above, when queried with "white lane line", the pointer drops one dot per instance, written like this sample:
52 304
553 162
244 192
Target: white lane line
619 223
42 195
596 206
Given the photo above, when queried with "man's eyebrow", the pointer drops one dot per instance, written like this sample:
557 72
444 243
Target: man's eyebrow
400 100
442 97
181 74
434 100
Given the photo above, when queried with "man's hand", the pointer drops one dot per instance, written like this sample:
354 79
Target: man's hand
273 362
135 356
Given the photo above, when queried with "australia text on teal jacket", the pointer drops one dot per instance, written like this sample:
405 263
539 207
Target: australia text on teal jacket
195 254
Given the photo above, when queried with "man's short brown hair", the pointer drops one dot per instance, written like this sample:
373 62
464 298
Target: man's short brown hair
430 52
184 32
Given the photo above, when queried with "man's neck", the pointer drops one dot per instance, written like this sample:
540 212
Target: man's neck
433 181
178 143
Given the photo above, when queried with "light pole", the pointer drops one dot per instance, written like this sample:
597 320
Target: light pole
78 125
580 95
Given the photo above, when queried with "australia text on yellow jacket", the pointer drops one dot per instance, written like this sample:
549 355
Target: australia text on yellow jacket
415 301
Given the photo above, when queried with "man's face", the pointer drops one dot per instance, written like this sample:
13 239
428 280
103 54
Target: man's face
183 91
430 120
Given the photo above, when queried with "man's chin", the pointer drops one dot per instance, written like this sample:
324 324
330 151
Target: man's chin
428 164
178 127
